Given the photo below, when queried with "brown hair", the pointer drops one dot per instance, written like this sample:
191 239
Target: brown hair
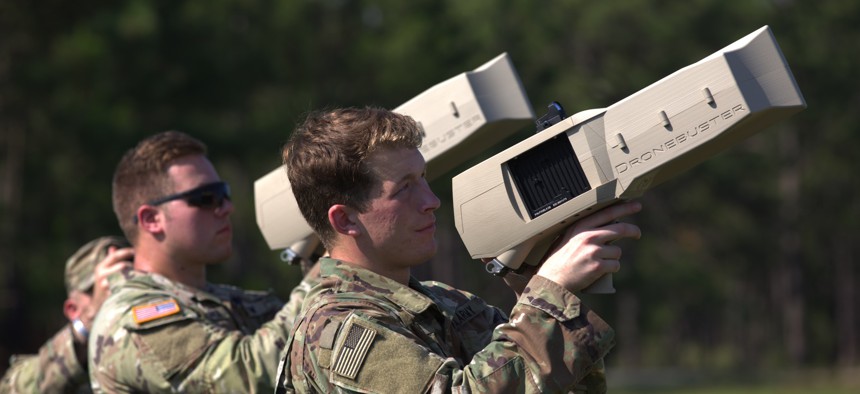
141 174
326 159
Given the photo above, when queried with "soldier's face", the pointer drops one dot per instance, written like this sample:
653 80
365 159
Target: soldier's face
400 222
196 235
75 304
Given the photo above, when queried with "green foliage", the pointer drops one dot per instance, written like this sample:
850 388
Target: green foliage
746 261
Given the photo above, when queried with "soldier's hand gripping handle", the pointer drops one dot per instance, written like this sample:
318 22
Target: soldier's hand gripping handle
584 254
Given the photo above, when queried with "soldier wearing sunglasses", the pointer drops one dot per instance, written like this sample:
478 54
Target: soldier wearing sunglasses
166 328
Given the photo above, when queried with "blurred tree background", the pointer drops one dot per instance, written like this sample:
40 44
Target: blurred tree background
747 262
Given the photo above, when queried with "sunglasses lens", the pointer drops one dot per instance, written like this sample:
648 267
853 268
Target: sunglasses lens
210 198
204 200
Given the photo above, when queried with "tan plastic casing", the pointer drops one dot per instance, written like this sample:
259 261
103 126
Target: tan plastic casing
460 118
630 147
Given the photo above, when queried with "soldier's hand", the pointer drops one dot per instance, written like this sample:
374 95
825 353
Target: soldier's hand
117 260
585 252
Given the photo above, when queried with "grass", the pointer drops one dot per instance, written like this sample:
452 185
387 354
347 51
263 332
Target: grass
818 381
764 389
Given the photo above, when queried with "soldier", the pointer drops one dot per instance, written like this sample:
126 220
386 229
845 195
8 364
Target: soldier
369 326
60 366
167 329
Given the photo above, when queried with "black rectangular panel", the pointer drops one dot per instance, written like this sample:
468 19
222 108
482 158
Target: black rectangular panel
548 175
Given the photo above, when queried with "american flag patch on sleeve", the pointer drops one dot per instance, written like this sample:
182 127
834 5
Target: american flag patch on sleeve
149 312
353 351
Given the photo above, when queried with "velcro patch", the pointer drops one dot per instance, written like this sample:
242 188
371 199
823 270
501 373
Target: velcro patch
353 350
150 312
328 335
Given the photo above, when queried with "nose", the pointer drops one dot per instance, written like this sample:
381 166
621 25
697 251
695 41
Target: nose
430 201
226 208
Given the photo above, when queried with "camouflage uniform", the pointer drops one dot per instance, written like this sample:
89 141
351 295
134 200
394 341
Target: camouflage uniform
155 335
362 332
55 369
298 295
58 368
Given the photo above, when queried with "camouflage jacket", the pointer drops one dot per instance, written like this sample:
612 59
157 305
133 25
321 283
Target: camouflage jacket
362 332
155 335
55 369
298 294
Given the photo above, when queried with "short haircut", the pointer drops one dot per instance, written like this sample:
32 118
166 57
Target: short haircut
141 174
326 159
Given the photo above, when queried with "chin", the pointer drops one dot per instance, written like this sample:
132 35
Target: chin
428 254
222 256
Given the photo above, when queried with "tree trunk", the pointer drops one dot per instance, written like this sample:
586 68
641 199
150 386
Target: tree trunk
846 302
11 166
629 333
787 289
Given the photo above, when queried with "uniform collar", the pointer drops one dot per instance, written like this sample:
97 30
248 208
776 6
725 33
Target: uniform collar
414 298
185 292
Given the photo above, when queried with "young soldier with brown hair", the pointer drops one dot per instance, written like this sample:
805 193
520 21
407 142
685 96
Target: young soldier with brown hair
369 326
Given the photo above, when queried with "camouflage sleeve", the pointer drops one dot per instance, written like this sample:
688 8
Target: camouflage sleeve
552 343
54 370
298 295
182 352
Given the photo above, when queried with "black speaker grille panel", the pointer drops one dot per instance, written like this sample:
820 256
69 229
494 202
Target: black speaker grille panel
548 175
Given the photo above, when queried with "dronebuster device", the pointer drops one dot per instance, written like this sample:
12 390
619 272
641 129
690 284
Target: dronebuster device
459 117
514 204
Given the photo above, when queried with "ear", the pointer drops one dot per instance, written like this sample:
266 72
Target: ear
149 219
344 220
71 309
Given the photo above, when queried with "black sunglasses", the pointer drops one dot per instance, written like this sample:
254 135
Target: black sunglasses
209 196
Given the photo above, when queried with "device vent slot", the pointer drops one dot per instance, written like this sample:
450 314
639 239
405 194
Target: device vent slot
548 175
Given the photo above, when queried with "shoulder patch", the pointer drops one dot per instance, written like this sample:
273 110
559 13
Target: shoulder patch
353 350
328 335
154 311
384 350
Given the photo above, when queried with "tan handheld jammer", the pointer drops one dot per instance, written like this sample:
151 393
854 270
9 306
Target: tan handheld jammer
514 204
